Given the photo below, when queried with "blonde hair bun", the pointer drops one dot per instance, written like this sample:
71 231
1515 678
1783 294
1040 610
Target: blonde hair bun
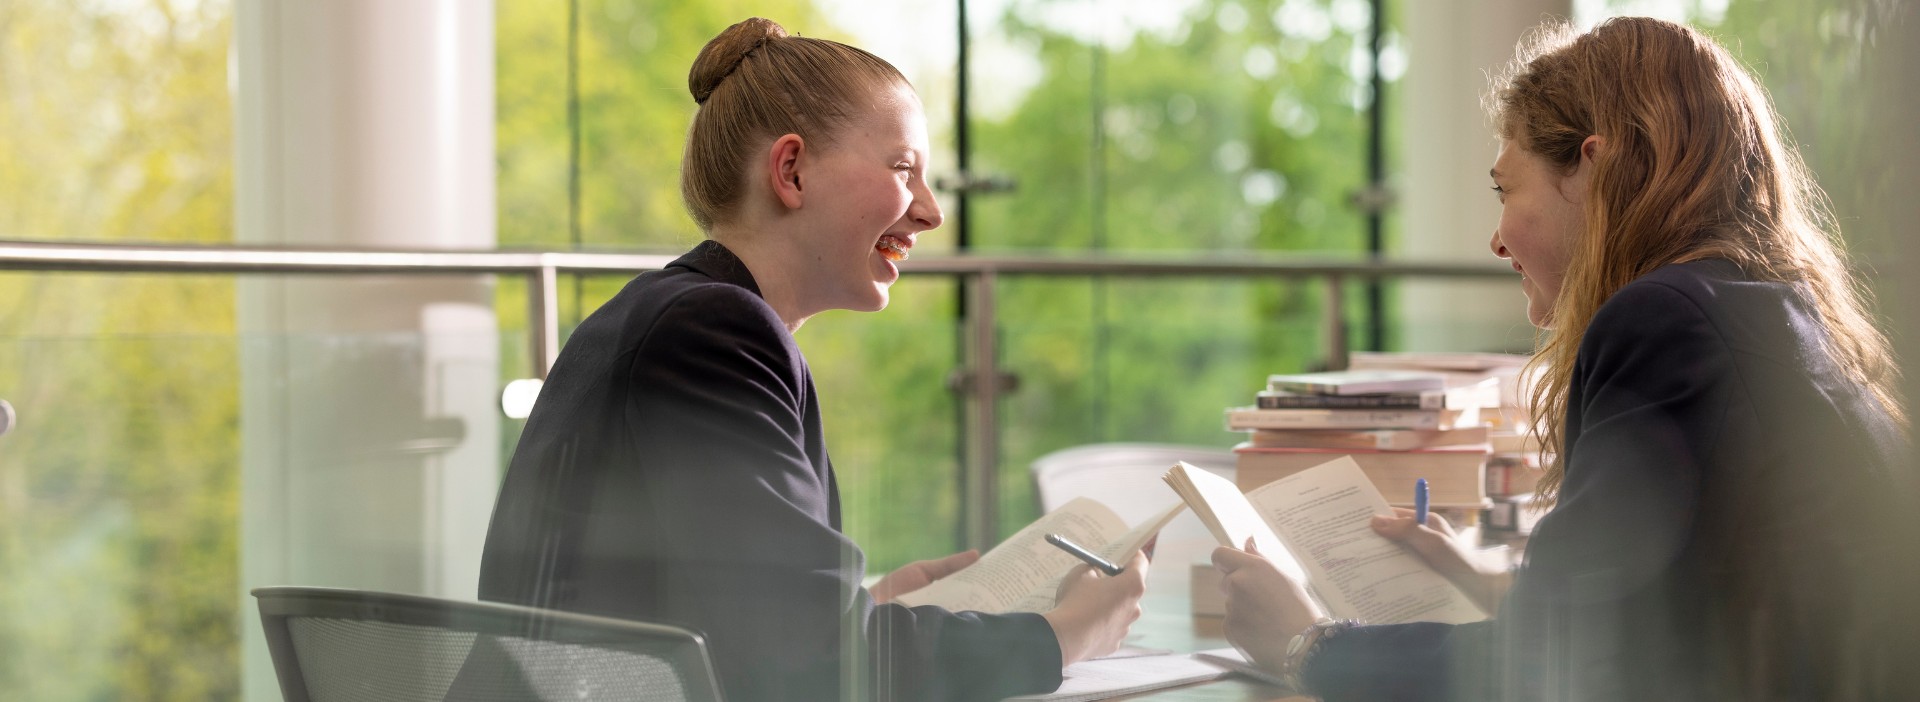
722 56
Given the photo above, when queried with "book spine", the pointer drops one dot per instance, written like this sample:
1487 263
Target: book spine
1361 440
1253 418
1424 401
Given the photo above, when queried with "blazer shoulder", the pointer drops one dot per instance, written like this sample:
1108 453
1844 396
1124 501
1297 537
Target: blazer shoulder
706 306
1657 304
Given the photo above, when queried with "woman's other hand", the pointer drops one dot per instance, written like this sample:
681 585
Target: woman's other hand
1438 544
1093 612
919 574
1265 608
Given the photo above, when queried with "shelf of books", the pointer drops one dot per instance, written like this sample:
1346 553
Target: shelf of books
1455 419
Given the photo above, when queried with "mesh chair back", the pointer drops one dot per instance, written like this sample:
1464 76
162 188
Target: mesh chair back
333 645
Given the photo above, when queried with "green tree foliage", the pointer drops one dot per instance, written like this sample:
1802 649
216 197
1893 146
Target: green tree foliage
119 491
634 109
1236 131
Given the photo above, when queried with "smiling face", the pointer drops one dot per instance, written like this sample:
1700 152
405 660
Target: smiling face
869 199
1540 219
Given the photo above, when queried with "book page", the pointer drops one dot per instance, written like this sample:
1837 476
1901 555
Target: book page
1102 678
1324 513
1227 513
1041 598
1024 563
1233 661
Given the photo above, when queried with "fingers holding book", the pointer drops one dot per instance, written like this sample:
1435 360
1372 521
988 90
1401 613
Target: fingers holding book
919 574
1094 612
1263 604
1436 543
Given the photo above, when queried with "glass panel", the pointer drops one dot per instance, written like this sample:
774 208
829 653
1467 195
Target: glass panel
119 518
891 423
1089 377
119 489
1204 124
118 122
633 107
367 459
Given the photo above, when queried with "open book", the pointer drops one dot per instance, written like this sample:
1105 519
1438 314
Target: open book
1023 573
1313 525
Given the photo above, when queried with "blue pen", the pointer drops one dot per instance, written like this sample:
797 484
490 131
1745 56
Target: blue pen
1420 500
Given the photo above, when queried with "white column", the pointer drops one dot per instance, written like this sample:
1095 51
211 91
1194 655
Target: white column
1448 213
369 424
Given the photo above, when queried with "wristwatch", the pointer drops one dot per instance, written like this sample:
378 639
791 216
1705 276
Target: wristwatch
1302 646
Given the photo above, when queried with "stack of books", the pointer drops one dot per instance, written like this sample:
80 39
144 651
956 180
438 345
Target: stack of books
1512 473
1399 425
1514 467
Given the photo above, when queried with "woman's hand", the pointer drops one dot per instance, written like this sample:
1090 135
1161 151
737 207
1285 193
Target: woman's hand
919 574
1440 547
1093 612
1265 608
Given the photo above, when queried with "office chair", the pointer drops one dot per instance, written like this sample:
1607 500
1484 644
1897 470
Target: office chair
336 645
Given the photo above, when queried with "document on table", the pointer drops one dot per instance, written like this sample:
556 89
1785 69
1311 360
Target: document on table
1102 678
1232 660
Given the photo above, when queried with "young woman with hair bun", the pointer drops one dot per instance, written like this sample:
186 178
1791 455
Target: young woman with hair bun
674 468
1731 474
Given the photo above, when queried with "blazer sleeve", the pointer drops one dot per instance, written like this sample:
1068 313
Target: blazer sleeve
1650 396
718 413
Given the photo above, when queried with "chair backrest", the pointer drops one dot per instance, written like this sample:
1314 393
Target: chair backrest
335 645
1124 476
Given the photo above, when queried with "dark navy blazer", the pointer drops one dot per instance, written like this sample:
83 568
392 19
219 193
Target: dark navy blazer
1708 433
674 471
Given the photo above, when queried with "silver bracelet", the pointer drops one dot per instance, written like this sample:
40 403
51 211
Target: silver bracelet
1303 646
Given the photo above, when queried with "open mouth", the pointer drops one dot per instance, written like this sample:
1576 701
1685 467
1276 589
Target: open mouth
893 248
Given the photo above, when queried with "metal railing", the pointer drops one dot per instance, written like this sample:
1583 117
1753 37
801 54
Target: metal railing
978 380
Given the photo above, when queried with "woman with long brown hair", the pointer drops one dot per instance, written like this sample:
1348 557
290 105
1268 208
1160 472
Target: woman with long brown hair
1727 444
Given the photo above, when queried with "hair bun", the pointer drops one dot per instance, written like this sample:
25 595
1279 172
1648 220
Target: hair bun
722 56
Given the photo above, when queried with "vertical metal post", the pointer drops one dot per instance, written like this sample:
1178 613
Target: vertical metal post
543 318
962 144
1335 313
980 502
959 223
1376 178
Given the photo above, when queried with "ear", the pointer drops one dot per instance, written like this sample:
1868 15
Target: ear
1592 147
783 169
1574 187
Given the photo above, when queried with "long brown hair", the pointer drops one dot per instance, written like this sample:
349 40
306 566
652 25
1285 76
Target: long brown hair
1694 166
755 83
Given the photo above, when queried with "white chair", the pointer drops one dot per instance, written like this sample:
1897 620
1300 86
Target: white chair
1126 477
